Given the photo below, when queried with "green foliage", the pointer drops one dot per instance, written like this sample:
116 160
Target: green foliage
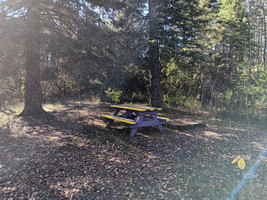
22 89
114 94
99 49
139 97
180 22
136 85
177 100
182 101
95 97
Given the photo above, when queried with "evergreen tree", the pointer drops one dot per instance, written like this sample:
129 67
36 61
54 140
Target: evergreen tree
54 31
181 26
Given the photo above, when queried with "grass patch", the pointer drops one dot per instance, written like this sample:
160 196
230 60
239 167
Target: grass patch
54 107
7 114
6 119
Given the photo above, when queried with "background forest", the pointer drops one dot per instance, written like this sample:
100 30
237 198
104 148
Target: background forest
212 53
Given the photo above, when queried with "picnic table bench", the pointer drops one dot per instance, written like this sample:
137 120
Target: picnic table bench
136 116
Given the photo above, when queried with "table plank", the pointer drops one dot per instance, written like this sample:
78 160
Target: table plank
120 119
135 107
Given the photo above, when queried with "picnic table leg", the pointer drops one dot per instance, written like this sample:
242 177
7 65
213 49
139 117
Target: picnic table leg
110 122
134 130
159 126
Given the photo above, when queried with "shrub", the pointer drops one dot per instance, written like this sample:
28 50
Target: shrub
114 95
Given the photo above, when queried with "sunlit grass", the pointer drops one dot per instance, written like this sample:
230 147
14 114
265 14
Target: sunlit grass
7 114
17 109
53 107
6 118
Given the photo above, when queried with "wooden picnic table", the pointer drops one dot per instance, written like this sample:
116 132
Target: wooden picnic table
136 116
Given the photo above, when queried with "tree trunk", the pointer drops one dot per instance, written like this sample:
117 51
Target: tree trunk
265 36
156 94
33 93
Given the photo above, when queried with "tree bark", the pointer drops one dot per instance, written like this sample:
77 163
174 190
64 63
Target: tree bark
156 94
265 36
33 93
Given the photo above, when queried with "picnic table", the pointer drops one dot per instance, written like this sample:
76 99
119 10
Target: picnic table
136 116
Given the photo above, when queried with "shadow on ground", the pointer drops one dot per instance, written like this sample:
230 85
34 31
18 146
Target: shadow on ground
70 155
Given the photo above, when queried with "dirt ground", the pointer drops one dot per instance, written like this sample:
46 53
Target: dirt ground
71 155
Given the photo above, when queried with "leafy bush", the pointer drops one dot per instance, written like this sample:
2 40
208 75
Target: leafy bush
139 97
113 95
183 101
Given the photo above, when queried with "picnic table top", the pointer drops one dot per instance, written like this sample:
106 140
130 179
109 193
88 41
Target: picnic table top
136 107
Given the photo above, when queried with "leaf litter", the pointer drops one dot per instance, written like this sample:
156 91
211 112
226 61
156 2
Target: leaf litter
69 157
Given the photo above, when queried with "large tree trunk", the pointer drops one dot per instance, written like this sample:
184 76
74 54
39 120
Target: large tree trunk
156 94
33 93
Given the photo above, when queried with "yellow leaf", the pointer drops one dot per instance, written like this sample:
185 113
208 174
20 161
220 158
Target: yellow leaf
241 163
235 160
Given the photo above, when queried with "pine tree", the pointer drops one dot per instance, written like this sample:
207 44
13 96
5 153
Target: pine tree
53 30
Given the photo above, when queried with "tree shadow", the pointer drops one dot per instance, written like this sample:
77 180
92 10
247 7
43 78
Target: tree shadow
62 157
194 146
50 149
16 150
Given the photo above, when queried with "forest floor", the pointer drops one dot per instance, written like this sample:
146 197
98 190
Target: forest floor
71 155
